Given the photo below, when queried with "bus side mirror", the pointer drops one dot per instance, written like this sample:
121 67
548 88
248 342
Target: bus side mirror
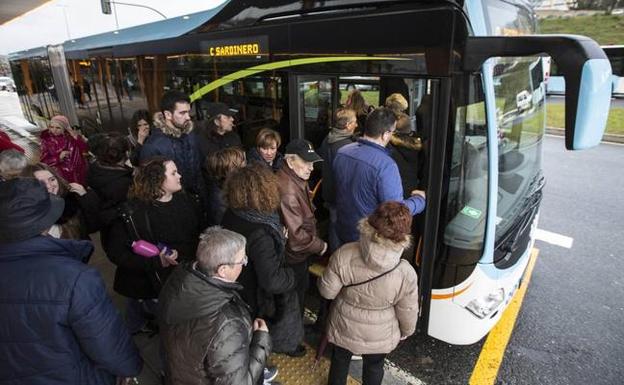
582 62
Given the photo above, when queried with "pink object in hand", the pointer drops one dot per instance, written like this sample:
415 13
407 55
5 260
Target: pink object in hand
145 249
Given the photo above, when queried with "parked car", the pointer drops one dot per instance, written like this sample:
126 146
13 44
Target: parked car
6 83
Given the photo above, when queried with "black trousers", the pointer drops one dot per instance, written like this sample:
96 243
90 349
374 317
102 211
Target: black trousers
302 281
372 367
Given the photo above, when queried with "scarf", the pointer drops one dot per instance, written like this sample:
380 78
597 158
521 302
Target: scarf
272 220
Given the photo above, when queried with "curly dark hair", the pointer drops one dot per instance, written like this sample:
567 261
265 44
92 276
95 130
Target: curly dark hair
392 220
148 180
219 164
254 187
110 149
136 117
29 171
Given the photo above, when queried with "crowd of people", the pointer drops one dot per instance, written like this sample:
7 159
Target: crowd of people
211 245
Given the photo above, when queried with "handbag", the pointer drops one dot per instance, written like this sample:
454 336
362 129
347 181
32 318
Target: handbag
154 274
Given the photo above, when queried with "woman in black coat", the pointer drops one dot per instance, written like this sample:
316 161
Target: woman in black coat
268 284
217 167
160 213
109 175
138 131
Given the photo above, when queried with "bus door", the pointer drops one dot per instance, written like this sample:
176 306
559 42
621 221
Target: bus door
312 101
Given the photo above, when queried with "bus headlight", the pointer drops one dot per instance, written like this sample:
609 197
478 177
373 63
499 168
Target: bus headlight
483 307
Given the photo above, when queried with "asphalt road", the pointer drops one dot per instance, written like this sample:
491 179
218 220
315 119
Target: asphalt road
570 328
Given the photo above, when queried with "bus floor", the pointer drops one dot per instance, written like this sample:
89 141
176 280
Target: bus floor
292 371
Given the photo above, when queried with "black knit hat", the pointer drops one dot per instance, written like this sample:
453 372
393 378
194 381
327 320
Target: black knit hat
26 209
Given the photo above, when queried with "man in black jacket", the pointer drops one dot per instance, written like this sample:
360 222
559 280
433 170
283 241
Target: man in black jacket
340 135
218 132
204 321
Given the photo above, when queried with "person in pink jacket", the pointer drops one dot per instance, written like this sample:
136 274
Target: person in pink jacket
64 149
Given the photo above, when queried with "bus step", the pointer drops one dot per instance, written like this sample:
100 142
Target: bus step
301 370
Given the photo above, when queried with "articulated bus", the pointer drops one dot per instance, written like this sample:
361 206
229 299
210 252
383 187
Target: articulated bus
288 64
615 53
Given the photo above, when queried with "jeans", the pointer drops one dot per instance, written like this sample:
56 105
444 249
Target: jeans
372 367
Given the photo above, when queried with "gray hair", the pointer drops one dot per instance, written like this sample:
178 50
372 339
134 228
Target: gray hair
12 162
343 116
218 246
291 157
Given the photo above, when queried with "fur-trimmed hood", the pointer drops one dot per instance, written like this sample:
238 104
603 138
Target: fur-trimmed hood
407 141
378 252
159 122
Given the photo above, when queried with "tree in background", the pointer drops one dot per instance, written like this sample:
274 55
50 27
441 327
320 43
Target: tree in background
603 5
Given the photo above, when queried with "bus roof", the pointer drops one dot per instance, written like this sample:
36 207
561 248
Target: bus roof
230 14
158 30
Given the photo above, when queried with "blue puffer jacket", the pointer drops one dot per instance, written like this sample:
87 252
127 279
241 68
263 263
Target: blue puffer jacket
366 176
184 152
57 323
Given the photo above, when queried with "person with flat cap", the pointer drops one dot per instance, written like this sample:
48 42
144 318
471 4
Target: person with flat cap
217 132
57 323
297 211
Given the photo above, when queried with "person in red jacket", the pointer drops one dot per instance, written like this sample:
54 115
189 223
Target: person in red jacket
64 149
7 144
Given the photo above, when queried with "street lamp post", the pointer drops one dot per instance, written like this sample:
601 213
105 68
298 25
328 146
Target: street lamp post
106 7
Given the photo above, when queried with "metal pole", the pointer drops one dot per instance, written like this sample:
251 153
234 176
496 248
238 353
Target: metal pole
140 6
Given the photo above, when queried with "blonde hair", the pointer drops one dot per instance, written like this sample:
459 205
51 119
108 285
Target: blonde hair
397 103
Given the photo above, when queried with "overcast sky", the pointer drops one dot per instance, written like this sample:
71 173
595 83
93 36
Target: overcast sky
46 25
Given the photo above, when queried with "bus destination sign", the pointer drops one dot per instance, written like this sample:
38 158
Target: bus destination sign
249 46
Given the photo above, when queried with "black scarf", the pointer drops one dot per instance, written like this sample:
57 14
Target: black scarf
272 220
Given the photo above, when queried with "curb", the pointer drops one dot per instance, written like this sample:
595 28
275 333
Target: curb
608 138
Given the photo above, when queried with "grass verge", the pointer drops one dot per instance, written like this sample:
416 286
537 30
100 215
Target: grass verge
555 117
605 29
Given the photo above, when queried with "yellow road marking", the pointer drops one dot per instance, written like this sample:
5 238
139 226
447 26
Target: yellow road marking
486 368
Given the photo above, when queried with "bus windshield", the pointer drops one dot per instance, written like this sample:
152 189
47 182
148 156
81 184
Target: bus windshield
519 92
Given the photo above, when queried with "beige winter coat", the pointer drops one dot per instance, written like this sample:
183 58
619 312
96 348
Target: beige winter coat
372 317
